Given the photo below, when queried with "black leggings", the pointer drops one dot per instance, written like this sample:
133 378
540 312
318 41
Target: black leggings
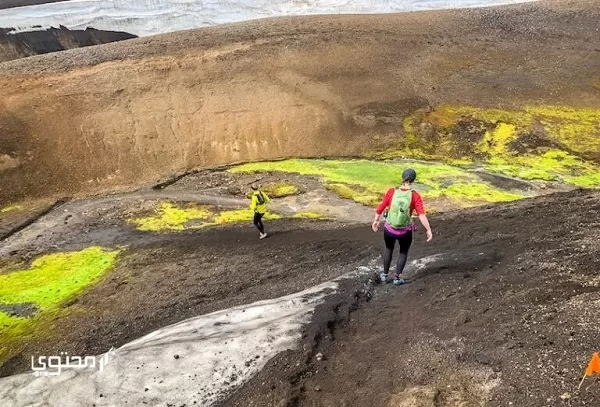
404 241
258 222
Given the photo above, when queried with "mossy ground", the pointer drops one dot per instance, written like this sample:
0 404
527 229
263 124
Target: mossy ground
358 194
11 208
539 143
309 215
173 217
169 216
277 190
280 190
48 283
366 181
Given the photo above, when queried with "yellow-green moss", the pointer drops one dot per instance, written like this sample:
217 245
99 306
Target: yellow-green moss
578 129
171 217
553 165
48 283
478 191
342 190
55 278
535 142
496 142
13 330
278 190
11 208
375 177
309 215
281 190
236 216
362 196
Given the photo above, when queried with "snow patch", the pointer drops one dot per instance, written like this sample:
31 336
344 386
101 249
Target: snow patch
197 360
148 17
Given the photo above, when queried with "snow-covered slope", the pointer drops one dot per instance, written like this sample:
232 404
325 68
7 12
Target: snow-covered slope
147 17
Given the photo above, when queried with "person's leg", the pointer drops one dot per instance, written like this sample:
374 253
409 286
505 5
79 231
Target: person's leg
404 242
262 226
390 241
258 222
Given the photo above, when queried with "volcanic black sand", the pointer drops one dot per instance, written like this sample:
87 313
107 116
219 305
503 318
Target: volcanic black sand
505 311
506 314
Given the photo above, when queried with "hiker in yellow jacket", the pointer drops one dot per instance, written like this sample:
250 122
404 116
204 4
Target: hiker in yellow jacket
258 204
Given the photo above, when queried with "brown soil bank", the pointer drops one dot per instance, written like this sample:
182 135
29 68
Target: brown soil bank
127 114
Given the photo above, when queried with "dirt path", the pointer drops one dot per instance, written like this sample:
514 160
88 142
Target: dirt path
100 220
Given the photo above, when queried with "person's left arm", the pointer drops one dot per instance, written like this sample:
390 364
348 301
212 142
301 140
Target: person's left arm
419 208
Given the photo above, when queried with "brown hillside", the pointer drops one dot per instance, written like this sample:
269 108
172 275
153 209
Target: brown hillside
126 114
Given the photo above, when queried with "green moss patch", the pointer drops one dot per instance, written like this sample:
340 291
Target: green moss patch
237 215
11 208
278 190
48 283
309 215
55 278
367 181
360 195
543 143
173 217
281 190
169 216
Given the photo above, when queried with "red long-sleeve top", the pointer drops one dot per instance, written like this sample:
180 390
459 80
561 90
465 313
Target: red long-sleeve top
416 204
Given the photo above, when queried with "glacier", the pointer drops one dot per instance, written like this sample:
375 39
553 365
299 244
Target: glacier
149 17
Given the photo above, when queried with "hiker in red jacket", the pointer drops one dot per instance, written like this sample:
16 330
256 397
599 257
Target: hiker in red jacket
401 204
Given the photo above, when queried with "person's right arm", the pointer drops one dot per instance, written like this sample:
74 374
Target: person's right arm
425 223
387 200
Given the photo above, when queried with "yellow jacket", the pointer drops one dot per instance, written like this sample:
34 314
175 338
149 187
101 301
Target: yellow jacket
255 206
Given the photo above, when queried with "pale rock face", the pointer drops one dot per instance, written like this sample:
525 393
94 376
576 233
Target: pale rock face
148 17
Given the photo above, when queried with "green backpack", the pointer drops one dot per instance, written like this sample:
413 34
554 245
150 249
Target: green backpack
399 213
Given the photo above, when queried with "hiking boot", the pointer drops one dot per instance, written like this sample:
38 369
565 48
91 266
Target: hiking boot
398 281
262 236
383 277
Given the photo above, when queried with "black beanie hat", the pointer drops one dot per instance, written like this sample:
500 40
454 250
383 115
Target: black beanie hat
409 175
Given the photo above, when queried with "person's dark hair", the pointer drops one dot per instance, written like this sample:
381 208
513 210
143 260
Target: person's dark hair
409 175
254 187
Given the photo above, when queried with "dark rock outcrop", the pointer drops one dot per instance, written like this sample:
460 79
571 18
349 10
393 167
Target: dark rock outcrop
22 3
24 44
